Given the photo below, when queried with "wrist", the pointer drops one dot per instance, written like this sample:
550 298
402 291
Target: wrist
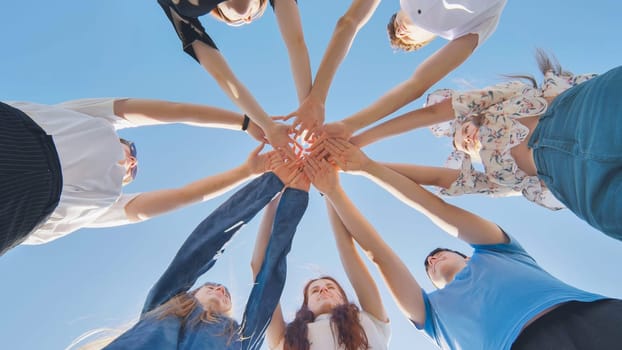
245 123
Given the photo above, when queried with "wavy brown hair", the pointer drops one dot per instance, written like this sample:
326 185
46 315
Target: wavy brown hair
217 13
344 319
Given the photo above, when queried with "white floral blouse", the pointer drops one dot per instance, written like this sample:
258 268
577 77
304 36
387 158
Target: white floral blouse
500 106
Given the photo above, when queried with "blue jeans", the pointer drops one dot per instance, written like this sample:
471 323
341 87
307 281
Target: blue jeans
577 148
200 251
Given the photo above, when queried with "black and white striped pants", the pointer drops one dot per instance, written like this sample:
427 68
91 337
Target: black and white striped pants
30 176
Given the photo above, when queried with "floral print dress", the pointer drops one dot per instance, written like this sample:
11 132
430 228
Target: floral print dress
499 109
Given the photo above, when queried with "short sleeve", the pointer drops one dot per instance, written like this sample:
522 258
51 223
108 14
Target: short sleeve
554 84
473 103
98 108
470 180
384 328
115 215
188 29
512 248
428 328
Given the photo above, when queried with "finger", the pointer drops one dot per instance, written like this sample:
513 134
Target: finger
258 149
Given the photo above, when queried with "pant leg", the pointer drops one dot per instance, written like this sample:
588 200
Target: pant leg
30 176
578 151
201 249
575 326
270 280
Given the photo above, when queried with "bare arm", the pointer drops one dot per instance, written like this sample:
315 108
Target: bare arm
426 175
149 204
310 114
433 69
453 220
215 64
288 18
430 115
276 329
363 283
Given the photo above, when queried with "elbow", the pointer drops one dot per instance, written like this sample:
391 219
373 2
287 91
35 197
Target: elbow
348 23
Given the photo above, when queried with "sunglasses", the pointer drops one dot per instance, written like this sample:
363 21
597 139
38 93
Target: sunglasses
133 153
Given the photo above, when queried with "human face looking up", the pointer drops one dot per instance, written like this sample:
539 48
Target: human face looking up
239 12
408 32
323 295
466 138
214 297
443 267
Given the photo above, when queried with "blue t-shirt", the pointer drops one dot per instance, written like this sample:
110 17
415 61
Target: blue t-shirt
489 302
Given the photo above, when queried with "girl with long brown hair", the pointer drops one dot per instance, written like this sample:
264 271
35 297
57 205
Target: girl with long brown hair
327 319
173 318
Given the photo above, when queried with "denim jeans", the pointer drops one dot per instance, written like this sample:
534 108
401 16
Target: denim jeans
199 253
577 148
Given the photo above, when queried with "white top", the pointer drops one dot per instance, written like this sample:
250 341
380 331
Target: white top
451 19
84 133
321 336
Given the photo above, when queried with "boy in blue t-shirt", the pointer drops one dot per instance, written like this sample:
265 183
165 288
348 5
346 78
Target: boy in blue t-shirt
499 298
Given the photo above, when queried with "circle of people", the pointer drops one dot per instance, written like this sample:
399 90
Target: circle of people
557 143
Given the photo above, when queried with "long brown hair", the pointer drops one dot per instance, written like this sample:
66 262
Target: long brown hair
344 319
546 63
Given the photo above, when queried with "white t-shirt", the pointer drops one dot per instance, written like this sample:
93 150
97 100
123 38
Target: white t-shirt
451 19
84 133
321 336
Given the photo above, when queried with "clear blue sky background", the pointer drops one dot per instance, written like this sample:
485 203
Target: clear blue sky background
54 51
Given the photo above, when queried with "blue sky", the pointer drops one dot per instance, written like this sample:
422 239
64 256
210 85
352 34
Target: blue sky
57 51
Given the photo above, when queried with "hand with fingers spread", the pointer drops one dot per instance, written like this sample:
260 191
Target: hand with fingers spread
345 155
288 171
309 117
322 174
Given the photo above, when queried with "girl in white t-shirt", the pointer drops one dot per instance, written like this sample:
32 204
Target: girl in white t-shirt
327 319
465 23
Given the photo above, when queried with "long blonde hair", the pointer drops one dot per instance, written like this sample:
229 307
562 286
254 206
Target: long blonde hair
181 306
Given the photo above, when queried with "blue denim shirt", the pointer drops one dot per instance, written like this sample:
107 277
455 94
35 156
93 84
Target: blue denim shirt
198 254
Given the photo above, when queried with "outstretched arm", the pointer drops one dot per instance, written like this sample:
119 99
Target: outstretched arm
276 329
149 204
153 112
363 283
215 64
418 118
288 18
453 220
311 111
347 220
433 69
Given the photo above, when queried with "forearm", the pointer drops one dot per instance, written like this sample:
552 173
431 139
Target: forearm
150 204
401 283
343 36
363 283
215 64
263 236
288 18
426 175
393 100
152 112
426 116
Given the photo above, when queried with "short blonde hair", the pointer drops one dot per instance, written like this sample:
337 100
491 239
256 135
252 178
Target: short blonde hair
398 43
